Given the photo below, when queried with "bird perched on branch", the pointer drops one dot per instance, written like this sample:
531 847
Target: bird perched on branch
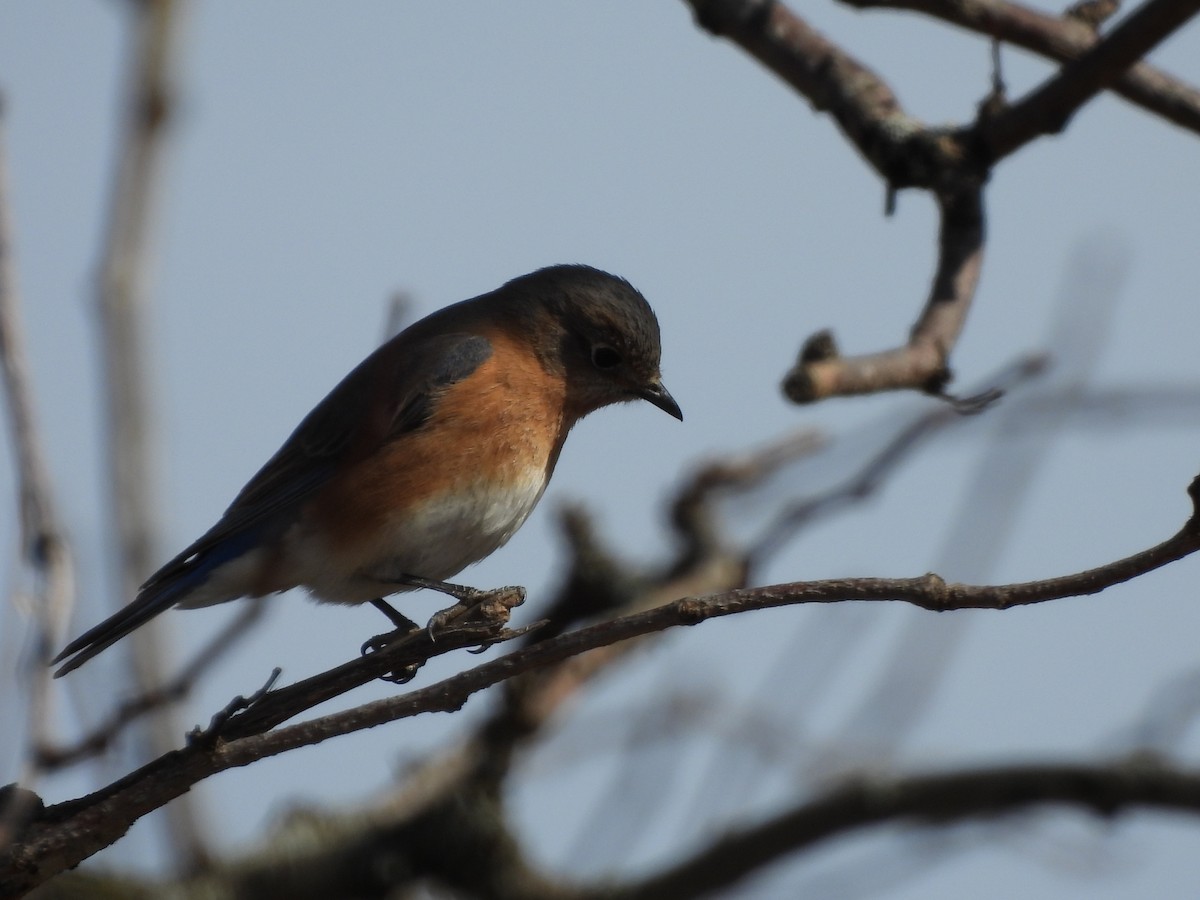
426 458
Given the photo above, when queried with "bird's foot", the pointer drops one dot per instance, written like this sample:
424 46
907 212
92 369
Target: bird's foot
405 627
477 619
460 592
475 607
400 674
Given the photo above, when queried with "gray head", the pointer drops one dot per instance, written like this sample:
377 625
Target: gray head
598 330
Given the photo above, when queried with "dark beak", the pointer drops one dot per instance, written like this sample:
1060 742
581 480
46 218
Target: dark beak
658 395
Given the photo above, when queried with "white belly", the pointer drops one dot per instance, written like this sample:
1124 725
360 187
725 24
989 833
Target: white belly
435 541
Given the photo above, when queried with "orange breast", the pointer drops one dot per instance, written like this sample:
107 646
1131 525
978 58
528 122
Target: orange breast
468 476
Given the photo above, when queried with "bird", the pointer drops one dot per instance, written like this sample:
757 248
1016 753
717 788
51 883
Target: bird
426 458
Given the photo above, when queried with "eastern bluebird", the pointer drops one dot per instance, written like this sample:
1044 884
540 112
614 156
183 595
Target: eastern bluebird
426 458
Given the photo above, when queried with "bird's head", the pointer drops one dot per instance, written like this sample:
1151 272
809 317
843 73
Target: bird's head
600 332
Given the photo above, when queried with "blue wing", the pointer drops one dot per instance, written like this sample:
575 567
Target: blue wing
392 392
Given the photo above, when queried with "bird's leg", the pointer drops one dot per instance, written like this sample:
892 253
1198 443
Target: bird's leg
467 597
397 618
460 592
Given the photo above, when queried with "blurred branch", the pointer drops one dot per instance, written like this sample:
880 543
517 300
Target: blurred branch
914 668
599 584
399 314
122 302
693 513
122 292
62 835
1158 406
467 849
937 800
51 756
871 477
1062 39
44 548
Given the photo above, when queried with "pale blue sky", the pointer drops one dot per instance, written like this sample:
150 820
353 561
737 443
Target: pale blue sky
326 156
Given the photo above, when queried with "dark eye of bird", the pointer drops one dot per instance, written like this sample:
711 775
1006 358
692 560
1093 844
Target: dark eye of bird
605 357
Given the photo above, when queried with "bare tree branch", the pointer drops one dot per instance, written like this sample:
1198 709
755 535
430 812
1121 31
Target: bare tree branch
821 372
899 147
45 550
1048 108
953 164
52 756
63 835
868 480
906 153
935 800
464 845
122 302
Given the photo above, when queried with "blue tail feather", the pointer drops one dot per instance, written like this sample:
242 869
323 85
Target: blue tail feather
167 587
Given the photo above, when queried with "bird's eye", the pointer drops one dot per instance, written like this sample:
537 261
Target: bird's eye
604 357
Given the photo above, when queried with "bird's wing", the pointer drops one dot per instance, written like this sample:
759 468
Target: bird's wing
392 392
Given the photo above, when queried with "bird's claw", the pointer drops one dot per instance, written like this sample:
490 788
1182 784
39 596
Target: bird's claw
379 641
403 674
475 607
478 612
